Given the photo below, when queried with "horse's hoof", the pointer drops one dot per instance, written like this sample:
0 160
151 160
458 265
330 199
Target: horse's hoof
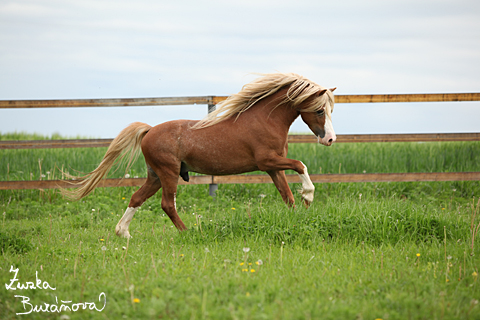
122 232
125 235
307 196
306 203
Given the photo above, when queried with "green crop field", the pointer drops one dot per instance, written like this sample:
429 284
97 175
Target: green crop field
361 251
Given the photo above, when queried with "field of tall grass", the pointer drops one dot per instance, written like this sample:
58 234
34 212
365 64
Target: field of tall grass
361 251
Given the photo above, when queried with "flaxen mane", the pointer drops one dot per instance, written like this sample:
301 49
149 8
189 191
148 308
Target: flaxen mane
300 89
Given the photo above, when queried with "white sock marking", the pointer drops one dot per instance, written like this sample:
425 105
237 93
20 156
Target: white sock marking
308 189
122 226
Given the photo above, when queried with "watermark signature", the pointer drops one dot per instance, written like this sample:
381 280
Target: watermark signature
64 305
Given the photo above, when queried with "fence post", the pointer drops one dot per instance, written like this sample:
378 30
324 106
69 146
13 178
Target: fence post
211 107
213 187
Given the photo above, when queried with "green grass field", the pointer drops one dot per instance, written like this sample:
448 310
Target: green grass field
361 251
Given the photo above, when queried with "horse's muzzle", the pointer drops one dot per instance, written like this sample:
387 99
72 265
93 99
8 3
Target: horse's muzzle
328 139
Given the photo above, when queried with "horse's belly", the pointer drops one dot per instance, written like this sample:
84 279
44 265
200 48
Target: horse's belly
220 161
218 150
216 167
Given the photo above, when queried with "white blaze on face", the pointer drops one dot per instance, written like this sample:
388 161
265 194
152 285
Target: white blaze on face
330 136
329 132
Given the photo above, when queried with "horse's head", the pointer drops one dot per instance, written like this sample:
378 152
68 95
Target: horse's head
320 121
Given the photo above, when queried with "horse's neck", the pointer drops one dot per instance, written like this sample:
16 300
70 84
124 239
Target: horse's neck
283 115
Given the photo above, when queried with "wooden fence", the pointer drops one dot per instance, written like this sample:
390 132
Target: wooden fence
297 138
211 101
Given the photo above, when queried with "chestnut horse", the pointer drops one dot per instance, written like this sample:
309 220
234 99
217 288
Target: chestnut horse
247 132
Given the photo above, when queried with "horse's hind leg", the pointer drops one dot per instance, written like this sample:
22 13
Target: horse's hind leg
150 187
169 193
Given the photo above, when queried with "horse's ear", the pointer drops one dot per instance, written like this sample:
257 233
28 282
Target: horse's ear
321 92
333 89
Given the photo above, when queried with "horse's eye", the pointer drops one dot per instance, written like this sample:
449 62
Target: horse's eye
321 113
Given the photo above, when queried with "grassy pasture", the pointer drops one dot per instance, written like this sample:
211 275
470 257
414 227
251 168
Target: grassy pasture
352 255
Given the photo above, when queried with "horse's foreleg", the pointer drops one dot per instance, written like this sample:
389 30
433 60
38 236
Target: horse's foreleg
308 189
150 187
280 181
275 162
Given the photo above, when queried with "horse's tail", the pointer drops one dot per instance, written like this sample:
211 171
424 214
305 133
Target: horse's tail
128 142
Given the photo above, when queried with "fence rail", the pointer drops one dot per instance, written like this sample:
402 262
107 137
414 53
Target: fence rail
129 102
261 178
307 138
211 101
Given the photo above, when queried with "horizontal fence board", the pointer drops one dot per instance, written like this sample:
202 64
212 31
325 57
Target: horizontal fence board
395 177
170 101
128 102
250 178
46 144
56 184
307 138
382 98
358 177
409 137
427 97
247 179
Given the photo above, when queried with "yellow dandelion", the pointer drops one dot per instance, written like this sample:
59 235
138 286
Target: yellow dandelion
249 263
252 270
111 212
136 300
443 208
244 270
247 294
102 240
233 208
241 263
418 254
123 198
181 255
474 274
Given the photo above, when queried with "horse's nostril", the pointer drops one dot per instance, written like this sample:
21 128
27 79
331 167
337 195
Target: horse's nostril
330 141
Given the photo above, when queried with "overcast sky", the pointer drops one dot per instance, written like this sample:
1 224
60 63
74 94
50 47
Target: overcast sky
64 49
